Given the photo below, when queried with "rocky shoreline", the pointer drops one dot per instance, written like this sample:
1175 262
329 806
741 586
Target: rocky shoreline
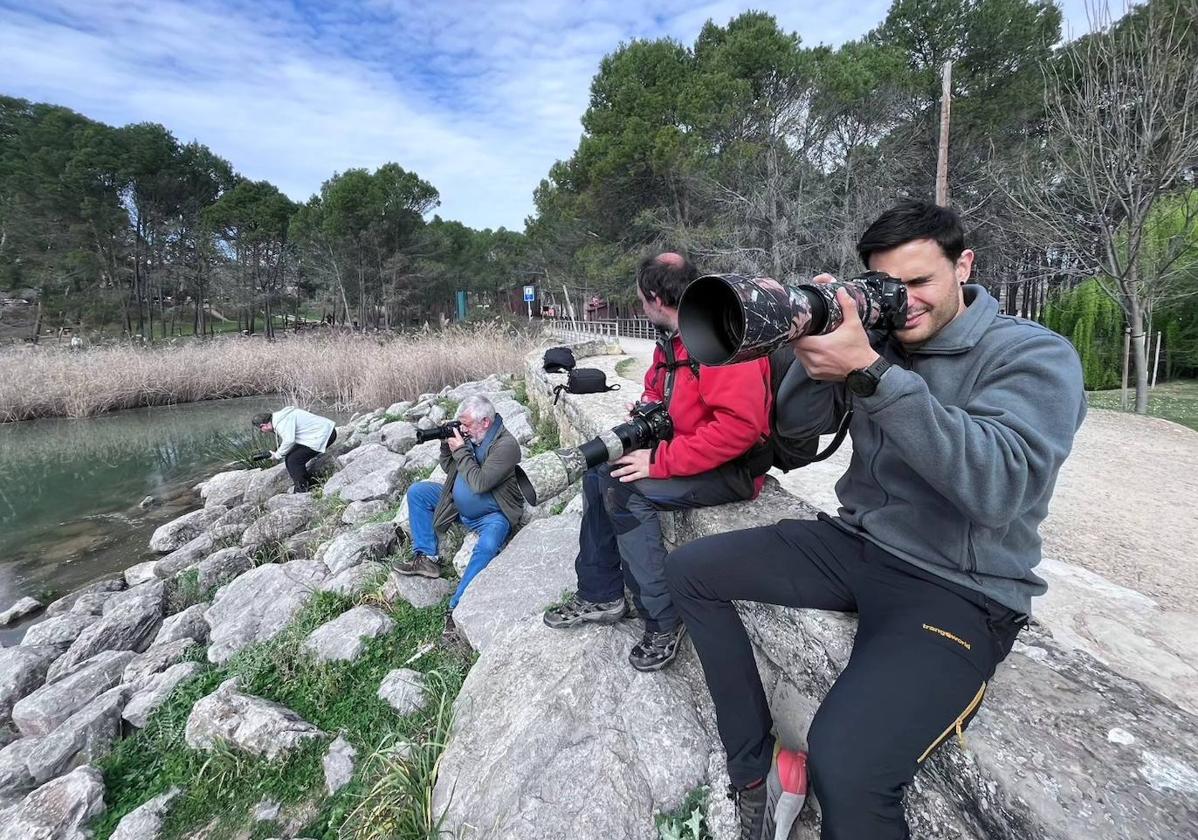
256 574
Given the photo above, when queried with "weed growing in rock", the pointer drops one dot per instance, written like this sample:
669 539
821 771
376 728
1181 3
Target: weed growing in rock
184 591
687 821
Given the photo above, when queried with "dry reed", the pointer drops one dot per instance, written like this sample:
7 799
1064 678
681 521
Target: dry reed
345 371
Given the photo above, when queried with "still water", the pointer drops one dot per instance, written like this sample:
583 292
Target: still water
70 489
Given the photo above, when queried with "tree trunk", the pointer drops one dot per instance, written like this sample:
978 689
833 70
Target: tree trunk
1139 356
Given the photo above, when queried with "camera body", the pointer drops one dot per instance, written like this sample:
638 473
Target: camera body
650 423
729 318
442 432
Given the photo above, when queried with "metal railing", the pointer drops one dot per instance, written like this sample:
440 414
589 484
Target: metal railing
615 328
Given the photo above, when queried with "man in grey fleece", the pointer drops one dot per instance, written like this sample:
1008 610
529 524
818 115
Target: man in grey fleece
961 421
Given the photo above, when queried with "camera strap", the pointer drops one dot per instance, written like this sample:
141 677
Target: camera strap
671 365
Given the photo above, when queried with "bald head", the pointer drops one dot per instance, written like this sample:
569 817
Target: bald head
664 278
671 260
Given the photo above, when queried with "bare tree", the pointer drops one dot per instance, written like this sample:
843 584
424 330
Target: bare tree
1122 139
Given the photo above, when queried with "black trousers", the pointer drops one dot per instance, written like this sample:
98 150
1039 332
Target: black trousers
297 463
923 654
620 540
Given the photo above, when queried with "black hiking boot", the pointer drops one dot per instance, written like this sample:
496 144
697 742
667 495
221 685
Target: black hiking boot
751 808
420 564
769 809
656 650
577 611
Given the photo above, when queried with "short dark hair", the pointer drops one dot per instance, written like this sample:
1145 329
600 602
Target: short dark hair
665 278
261 419
910 220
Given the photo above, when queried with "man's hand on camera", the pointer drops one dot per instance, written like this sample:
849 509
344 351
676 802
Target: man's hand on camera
831 357
274 454
632 466
455 441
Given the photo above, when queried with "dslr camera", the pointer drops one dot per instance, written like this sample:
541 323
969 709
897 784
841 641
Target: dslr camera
442 432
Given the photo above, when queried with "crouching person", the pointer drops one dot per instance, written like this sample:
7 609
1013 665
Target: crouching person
719 414
480 490
302 436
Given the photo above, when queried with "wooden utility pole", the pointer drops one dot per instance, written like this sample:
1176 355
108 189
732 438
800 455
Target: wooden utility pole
946 98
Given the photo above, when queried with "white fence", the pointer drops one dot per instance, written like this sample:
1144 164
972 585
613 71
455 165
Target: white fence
613 327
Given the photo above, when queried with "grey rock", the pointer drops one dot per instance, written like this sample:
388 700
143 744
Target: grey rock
420 409
60 630
462 558
491 387
575 505
356 579
92 603
266 483
130 625
147 503
424 455
145 821
47 707
398 437
398 409
225 488
20 609
531 573
158 658
222 566
304 501
83 738
303 546
418 591
520 427
369 472
187 624
15 778
343 639
140 573
266 811
257 605
187 555
22 669
339 763
278 525
58 810
252 724
382 484
152 691
404 690
67 602
426 422
641 737
180 531
356 513
369 542
242 515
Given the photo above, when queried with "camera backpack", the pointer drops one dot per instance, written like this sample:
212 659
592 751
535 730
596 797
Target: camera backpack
584 381
558 359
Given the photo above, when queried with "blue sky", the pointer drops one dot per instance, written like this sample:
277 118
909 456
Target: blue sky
479 98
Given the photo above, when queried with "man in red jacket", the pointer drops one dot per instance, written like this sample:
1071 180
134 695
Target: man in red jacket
719 414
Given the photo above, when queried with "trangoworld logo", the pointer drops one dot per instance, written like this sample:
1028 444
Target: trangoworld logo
948 635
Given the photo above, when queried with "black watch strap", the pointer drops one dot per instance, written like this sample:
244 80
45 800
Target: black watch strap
864 381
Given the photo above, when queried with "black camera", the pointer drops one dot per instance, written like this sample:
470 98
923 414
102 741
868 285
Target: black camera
260 456
442 432
728 318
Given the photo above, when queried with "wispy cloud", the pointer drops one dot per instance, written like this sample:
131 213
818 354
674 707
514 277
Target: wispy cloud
479 98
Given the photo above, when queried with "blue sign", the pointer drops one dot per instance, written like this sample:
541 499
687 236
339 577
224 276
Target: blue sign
530 294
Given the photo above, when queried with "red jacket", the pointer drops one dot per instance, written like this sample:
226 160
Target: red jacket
718 416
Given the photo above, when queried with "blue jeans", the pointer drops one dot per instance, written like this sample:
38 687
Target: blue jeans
492 530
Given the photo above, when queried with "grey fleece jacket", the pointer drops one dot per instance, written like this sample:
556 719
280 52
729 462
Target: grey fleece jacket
956 454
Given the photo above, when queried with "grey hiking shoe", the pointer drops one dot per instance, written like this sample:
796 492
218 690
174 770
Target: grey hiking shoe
577 611
769 810
420 564
656 650
750 811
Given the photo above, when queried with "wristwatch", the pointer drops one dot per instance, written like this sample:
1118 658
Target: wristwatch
864 381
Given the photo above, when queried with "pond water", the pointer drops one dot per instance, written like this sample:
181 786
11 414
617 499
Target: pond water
70 489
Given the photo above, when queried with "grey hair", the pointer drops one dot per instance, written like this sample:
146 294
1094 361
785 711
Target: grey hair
478 407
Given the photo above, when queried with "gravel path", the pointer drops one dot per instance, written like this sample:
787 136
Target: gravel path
1124 505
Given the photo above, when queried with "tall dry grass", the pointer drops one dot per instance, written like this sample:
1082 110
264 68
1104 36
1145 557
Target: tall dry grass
345 371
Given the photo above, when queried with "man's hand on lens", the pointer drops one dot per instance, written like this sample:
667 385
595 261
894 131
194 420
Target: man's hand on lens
455 440
632 466
274 454
831 357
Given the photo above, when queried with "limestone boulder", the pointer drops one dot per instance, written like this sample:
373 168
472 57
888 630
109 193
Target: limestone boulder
251 724
22 669
461 559
83 738
369 472
424 455
67 602
404 690
46 708
158 658
265 483
187 555
305 501
399 436
222 566
367 543
60 630
140 573
491 387
15 779
338 764
642 738
187 624
356 579
20 609
418 591
58 810
187 527
130 625
533 571
356 513
398 409
278 525
343 639
152 691
145 821
257 605
225 488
